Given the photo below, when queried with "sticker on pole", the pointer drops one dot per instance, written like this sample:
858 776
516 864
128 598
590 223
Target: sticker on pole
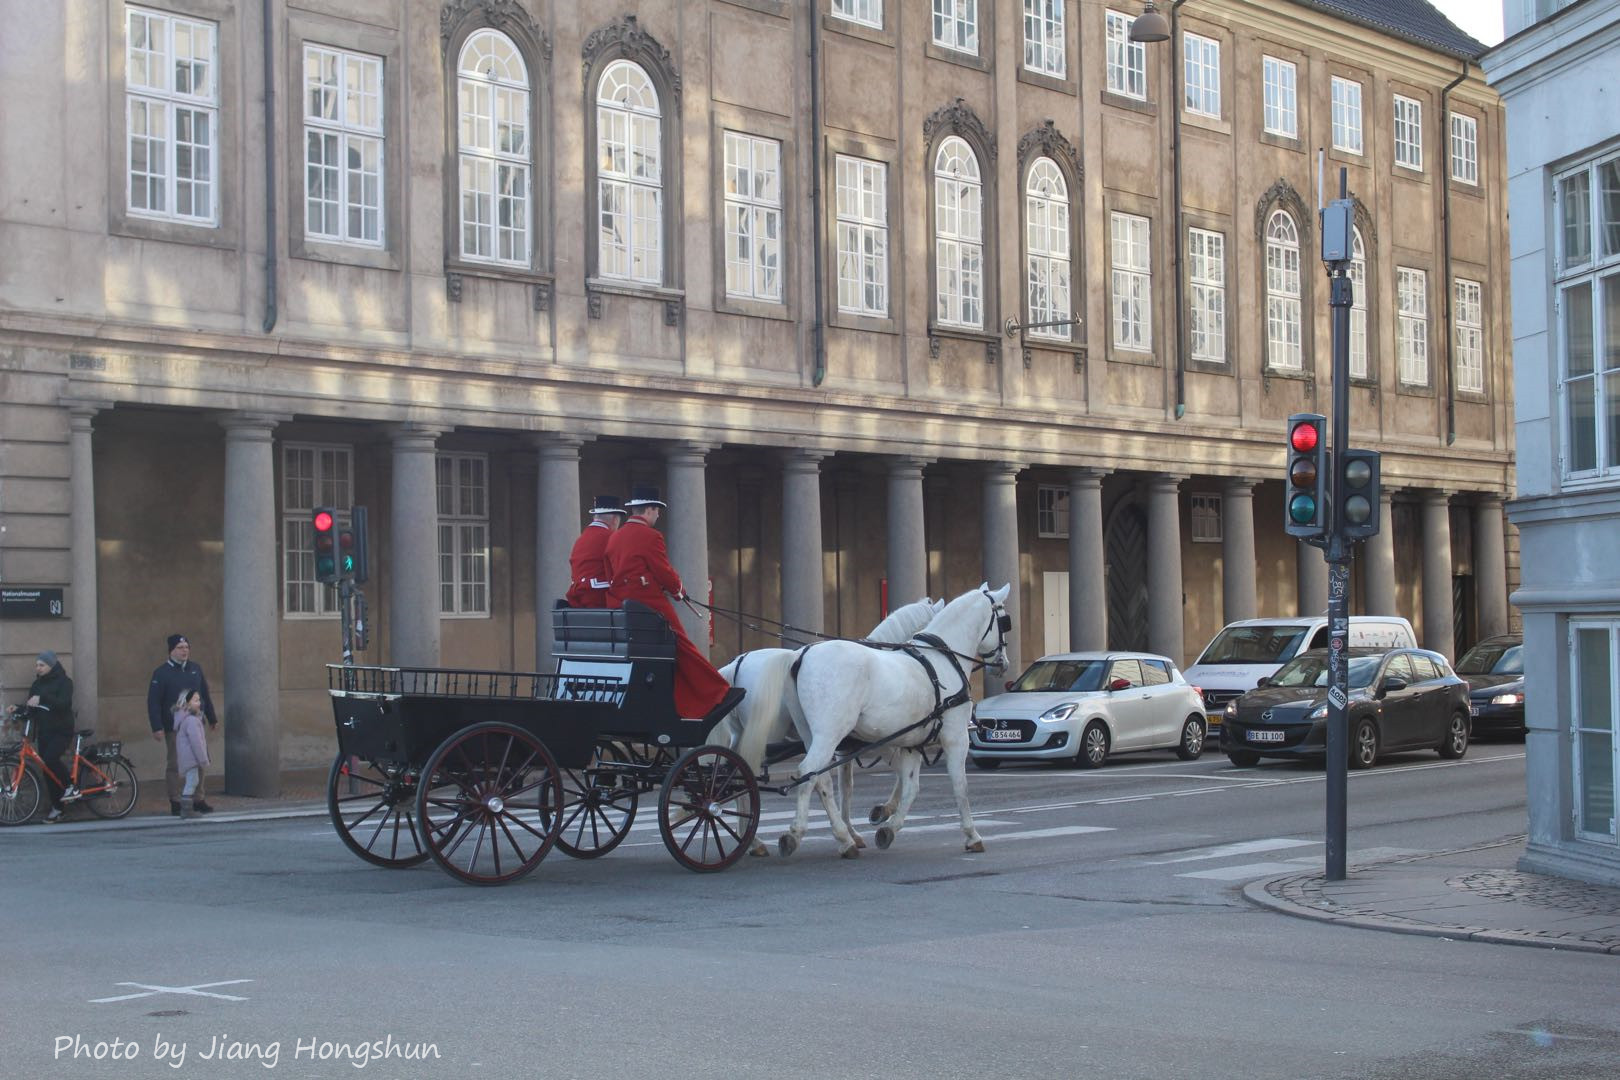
1337 698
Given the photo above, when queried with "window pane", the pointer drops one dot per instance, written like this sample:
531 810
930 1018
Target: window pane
1609 204
1575 200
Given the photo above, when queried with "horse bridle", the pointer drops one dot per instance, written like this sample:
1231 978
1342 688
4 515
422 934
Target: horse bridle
998 618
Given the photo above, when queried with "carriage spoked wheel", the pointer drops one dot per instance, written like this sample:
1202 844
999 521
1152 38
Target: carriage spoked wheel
373 808
491 810
708 810
599 803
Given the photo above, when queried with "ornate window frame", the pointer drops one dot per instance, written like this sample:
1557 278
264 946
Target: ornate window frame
1046 141
958 119
1282 196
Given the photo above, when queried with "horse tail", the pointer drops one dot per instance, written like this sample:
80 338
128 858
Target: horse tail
769 678
790 699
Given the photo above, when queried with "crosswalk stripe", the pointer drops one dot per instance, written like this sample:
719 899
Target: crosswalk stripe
1245 848
1239 873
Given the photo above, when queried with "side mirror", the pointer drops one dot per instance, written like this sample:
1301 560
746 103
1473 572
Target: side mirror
1265 680
1119 684
1392 683
1008 685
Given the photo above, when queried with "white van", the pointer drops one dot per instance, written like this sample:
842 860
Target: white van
1249 650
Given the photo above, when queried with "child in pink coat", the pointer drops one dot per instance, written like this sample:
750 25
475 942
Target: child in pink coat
190 747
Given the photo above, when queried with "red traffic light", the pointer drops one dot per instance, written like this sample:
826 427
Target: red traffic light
1303 438
323 522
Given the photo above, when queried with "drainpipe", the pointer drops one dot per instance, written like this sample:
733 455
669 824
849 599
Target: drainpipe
269 170
818 342
1448 290
1176 66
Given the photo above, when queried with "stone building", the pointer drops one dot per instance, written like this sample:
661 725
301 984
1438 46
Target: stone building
889 296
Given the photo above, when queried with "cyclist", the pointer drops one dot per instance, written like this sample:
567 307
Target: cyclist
51 697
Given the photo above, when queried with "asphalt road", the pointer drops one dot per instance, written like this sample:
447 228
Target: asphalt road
1101 935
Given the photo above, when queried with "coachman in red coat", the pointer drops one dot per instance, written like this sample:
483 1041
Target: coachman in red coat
587 568
639 568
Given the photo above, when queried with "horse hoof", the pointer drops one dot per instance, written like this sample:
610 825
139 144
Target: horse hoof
976 846
851 852
860 841
885 837
759 850
787 844
879 815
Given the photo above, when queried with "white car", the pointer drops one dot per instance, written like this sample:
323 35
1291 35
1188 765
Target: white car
1085 706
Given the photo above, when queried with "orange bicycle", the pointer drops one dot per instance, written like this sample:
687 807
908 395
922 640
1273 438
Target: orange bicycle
99 776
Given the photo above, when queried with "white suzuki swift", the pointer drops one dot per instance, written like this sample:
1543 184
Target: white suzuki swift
1085 706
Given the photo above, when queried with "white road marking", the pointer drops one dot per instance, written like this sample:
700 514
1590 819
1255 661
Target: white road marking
199 990
1244 872
1035 834
1248 847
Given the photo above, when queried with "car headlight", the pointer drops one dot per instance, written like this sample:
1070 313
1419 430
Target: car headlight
1058 712
1231 708
1508 699
1320 712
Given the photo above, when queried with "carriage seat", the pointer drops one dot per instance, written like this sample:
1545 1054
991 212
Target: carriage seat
632 632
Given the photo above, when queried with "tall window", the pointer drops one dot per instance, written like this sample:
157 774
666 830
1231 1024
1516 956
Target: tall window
492 88
1412 325
958 236
865 12
1281 112
171 82
1043 37
1202 58
1284 330
1052 511
1409 132
1594 664
1464 149
956 25
753 210
1470 323
1132 281
1588 305
629 175
1127 59
343 146
1206 278
1358 306
1206 517
463 483
1346 115
863 235
311 476
1046 221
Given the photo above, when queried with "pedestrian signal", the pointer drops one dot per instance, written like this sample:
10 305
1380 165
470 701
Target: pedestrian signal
1358 494
360 549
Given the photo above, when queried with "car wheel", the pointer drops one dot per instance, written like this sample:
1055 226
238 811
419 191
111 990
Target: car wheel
1364 745
1192 739
1243 758
1093 746
1455 744
988 764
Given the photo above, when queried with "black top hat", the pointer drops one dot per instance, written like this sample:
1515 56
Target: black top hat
608 504
644 495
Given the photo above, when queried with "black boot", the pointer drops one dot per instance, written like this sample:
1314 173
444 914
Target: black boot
174 807
202 807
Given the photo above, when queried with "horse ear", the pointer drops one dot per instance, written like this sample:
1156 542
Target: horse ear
984 586
1001 593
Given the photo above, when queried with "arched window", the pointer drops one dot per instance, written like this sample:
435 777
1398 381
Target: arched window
958 235
629 175
493 145
1283 305
1358 307
1046 248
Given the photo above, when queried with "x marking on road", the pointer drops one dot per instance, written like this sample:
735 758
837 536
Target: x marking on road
147 990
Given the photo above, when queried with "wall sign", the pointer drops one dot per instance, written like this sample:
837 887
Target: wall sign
31 604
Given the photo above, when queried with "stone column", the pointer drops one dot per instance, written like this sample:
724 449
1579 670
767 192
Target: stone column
1088 581
1311 579
1166 633
1238 567
686 530
1439 634
908 552
83 606
252 671
1001 564
1490 566
1377 562
804 598
557 525
413 572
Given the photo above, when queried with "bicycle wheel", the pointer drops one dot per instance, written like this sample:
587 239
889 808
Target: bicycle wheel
110 788
21 792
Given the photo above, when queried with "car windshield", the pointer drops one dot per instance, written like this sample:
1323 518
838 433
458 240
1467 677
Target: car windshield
1492 659
1050 675
1312 670
1253 645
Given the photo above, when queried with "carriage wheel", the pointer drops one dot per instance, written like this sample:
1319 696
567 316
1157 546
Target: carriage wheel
489 813
708 810
599 803
377 819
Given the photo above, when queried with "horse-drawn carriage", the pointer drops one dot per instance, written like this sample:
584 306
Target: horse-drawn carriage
484 772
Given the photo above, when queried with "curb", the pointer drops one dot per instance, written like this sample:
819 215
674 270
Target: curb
164 821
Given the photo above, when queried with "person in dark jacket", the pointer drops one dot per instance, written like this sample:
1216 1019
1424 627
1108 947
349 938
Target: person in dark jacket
51 695
175 674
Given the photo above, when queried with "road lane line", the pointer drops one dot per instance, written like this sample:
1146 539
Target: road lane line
1248 847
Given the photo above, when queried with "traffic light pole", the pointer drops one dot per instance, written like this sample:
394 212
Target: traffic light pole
1337 550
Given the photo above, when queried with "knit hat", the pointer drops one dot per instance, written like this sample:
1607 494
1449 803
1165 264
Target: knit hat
177 640
47 658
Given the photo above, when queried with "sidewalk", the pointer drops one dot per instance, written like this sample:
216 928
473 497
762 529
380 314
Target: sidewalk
1472 894
303 794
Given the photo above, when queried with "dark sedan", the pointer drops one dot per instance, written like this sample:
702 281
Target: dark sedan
1400 699
1495 672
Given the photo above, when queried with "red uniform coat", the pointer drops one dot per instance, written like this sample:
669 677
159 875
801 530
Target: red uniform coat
588 579
638 565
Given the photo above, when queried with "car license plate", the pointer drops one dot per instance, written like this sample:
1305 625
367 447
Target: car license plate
1473 710
1265 736
1003 735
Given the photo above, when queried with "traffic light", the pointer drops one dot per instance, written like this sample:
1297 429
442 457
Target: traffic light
1357 494
326 562
1305 490
359 565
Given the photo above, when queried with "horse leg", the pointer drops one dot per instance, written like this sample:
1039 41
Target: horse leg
814 760
884 811
846 792
953 736
908 781
847 848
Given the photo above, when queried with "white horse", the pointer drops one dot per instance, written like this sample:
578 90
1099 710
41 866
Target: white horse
845 688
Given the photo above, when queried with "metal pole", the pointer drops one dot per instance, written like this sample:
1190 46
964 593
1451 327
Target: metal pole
1338 559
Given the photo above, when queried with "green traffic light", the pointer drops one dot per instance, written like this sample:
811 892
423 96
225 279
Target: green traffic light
348 564
1302 508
